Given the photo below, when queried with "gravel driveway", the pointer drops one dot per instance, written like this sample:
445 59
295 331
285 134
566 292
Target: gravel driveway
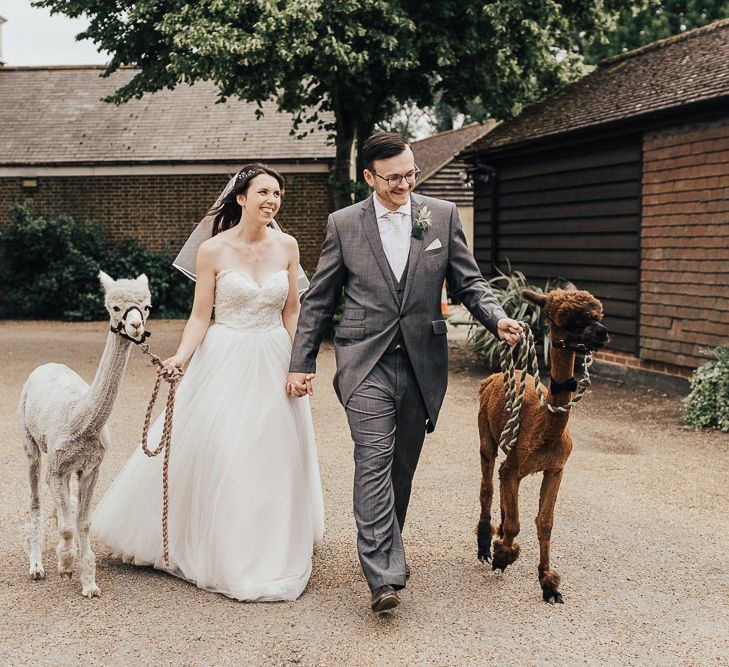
641 539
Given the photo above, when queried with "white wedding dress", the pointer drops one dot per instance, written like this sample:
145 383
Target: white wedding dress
245 500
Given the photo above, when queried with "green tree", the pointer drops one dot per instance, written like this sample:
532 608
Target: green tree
650 21
447 117
355 60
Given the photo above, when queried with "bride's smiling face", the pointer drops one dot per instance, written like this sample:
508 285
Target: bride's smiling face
261 200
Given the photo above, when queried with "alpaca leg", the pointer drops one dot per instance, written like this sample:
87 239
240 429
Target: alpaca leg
87 561
65 550
34 529
548 578
486 496
506 550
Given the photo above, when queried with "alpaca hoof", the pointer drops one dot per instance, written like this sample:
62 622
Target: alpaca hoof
553 597
91 591
65 567
484 543
549 581
503 555
37 571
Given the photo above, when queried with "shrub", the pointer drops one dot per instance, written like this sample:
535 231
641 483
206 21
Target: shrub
707 404
507 289
49 269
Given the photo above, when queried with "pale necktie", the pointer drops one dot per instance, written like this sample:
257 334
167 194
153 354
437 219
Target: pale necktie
400 243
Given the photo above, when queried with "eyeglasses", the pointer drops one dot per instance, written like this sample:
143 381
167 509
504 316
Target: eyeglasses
395 180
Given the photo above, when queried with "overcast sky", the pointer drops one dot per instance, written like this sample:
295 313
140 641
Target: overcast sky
32 36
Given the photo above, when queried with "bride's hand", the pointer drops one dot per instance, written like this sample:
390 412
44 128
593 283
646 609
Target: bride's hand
299 384
171 366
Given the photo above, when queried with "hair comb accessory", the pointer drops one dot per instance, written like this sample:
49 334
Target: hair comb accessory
245 174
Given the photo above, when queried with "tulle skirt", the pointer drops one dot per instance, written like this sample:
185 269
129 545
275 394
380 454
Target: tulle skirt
245 500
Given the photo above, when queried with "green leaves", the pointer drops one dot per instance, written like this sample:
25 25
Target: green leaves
649 20
50 266
365 55
707 404
507 287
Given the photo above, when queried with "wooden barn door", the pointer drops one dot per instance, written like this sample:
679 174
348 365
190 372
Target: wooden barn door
569 213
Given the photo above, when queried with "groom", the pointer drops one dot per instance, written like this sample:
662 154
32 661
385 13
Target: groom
390 253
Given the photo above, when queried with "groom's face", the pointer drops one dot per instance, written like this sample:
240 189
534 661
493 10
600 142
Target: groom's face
392 196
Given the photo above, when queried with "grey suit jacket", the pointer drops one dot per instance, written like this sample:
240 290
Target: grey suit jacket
353 259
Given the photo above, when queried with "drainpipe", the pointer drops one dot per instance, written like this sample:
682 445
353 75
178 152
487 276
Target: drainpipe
494 187
2 20
485 173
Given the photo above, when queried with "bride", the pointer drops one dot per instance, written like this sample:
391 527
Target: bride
245 500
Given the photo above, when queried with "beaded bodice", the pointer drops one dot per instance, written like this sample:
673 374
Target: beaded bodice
242 303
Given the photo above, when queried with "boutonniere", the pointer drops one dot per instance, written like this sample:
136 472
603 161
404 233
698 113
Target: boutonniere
422 223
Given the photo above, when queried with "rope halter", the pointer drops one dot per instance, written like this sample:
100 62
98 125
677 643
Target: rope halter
119 329
523 356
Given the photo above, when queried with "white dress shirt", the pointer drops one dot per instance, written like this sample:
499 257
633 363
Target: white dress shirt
395 229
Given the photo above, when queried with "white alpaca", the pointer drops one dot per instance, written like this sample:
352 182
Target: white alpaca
63 416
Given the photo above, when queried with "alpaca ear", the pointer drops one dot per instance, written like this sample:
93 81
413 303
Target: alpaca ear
535 297
143 278
106 280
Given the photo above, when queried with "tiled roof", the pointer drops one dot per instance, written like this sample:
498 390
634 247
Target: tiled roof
686 68
433 153
54 115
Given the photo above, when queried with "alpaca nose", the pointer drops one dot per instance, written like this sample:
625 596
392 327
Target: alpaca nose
134 327
600 333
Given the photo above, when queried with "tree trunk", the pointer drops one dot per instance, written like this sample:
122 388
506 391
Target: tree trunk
364 130
341 178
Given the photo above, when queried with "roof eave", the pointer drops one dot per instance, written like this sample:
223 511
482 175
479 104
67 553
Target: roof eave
632 124
432 172
160 162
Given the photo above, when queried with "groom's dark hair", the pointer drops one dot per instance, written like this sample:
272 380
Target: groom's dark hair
381 146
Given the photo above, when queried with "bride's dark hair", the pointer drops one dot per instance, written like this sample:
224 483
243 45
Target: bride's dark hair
228 212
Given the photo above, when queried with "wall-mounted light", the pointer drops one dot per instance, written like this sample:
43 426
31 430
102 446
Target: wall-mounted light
480 173
30 184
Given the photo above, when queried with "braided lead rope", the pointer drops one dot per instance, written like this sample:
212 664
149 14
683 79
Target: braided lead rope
165 443
514 395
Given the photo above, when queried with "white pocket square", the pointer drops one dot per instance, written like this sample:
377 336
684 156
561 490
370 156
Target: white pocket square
434 245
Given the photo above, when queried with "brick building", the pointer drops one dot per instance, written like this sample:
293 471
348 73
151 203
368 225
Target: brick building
620 182
149 168
443 174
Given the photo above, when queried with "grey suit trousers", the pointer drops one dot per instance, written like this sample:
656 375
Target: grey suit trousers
387 416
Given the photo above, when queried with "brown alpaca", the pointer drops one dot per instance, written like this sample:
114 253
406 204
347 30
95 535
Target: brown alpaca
544 443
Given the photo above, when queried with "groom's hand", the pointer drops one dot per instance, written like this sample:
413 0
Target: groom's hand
510 331
299 384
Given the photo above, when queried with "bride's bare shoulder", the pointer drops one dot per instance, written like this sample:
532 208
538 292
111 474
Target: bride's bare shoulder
211 250
218 243
286 240
210 246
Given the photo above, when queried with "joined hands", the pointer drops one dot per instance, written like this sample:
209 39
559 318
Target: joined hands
299 384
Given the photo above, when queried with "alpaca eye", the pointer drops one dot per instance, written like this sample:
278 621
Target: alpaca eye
116 309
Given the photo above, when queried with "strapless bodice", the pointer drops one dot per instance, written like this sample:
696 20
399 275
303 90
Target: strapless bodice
242 303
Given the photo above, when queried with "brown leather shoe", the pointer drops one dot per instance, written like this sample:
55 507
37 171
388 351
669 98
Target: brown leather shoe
384 599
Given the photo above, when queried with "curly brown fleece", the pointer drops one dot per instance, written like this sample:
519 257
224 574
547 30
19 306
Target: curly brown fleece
544 442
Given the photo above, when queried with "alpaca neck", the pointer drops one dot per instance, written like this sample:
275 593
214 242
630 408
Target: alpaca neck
93 408
562 369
